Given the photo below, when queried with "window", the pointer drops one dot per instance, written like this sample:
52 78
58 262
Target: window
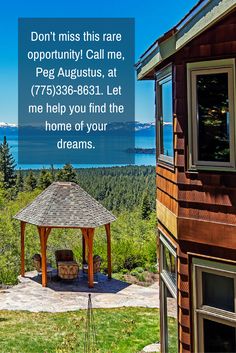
211 103
218 291
218 337
214 299
168 294
165 115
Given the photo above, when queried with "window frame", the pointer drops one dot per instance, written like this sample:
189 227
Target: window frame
163 76
204 68
166 284
164 276
200 311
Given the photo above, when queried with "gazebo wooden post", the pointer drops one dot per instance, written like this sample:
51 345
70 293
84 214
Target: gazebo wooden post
22 232
83 249
43 242
90 235
108 232
47 232
84 244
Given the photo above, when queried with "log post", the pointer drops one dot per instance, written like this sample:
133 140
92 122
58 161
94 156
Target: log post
47 232
109 267
90 235
84 244
83 249
22 233
43 242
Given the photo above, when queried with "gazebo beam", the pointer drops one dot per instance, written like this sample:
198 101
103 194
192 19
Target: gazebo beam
22 232
48 231
43 243
108 233
83 249
84 244
90 235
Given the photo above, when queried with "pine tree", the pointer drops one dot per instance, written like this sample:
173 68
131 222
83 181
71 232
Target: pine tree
2 192
146 208
19 181
45 179
67 173
30 182
7 165
52 170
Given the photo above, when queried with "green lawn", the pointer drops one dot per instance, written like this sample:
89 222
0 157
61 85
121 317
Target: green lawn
124 330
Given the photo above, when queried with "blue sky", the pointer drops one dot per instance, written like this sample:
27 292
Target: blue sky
152 19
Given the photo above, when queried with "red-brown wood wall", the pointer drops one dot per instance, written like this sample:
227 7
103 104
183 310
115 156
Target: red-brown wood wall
204 202
207 200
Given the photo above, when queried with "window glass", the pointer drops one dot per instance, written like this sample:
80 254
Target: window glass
218 338
168 291
167 118
213 117
169 264
218 291
214 306
172 327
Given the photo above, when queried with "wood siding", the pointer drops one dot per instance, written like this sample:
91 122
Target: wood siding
200 197
204 202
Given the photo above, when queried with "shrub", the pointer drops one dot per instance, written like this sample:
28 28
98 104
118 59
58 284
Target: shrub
139 269
153 268
125 271
141 277
134 273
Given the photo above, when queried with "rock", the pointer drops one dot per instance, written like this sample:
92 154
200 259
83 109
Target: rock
152 348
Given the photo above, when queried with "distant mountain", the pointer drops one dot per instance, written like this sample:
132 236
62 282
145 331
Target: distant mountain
137 126
144 126
7 125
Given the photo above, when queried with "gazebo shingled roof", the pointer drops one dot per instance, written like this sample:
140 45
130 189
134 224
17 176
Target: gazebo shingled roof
65 204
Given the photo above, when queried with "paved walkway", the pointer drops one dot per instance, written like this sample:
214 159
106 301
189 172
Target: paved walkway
60 296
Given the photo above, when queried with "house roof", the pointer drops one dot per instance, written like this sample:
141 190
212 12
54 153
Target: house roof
202 16
65 205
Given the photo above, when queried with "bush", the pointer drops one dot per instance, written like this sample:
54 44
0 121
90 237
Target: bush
125 271
153 268
141 277
134 273
139 269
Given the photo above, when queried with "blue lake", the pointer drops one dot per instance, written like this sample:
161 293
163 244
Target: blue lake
143 139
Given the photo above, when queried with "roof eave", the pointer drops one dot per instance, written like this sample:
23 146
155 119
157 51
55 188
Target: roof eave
177 38
65 226
147 67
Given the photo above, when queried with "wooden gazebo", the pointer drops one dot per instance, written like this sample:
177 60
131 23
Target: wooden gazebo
66 205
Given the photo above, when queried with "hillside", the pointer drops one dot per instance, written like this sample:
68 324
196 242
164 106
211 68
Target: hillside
129 192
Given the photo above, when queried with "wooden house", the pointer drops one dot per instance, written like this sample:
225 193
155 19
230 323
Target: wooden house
193 66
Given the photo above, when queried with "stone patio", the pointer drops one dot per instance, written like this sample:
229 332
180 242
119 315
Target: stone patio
62 296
